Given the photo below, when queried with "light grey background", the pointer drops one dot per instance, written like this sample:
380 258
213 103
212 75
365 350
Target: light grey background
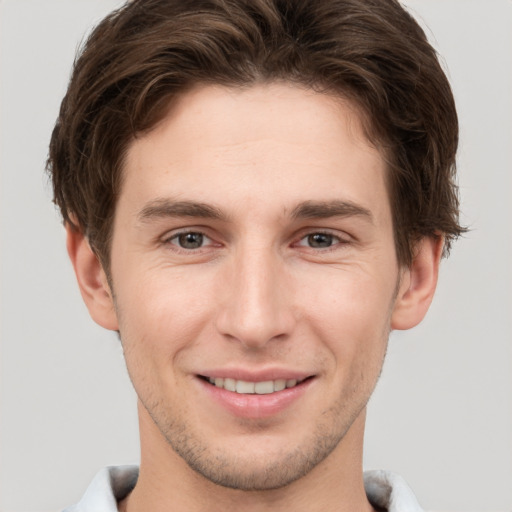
442 414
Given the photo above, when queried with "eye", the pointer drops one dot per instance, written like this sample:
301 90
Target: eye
320 240
190 240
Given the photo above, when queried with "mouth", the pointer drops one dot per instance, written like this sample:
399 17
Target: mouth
258 397
243 387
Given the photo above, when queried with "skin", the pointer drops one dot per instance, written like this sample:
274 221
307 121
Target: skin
296 272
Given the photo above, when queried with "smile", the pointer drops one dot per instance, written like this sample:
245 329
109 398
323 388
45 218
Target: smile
256 396
253 388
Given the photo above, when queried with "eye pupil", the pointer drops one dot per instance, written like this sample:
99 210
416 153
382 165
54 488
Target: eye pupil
320 240
190 240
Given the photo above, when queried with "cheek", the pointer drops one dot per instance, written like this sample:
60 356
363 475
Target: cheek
351 313
352 296
159 318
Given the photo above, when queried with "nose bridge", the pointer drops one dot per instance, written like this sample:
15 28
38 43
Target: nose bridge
256 309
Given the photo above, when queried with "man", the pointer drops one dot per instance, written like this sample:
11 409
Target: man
255 194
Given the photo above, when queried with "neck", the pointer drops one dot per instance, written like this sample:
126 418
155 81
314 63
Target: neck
167 482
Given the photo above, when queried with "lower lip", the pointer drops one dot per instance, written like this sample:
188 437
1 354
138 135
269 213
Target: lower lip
255 406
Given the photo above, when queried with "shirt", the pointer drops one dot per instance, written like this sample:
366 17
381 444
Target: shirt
384 489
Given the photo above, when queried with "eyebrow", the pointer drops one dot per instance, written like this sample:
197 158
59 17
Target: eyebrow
161 208
327 209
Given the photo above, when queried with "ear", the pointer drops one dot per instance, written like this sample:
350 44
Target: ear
418 284
92 279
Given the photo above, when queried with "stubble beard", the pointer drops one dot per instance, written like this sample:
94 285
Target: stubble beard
244 474
265 473
253 473
260 470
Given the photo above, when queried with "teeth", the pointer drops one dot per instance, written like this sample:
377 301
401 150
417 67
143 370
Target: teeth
264 388
279 385
251 388
229 384
245 388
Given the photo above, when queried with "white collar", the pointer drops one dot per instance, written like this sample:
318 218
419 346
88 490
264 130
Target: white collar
384 489
389 491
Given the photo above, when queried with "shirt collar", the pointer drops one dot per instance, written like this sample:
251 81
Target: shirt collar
385 490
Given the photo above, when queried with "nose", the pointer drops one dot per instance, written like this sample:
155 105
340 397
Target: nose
255 307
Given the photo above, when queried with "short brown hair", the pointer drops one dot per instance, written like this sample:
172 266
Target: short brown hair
371 52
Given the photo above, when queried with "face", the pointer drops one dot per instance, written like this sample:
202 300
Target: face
255 279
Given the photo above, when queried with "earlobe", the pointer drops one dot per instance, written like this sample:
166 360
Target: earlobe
92 279
418 284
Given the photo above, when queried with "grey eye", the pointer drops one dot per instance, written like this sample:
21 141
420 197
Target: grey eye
320 240
189 240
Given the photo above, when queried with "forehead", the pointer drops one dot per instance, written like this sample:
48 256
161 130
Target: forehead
270 143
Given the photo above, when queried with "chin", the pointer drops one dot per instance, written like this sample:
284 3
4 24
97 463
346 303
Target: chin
252 464
249 473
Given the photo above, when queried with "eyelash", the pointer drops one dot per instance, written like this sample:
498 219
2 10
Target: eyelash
336 241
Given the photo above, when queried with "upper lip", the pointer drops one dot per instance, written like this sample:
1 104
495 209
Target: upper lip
261 375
